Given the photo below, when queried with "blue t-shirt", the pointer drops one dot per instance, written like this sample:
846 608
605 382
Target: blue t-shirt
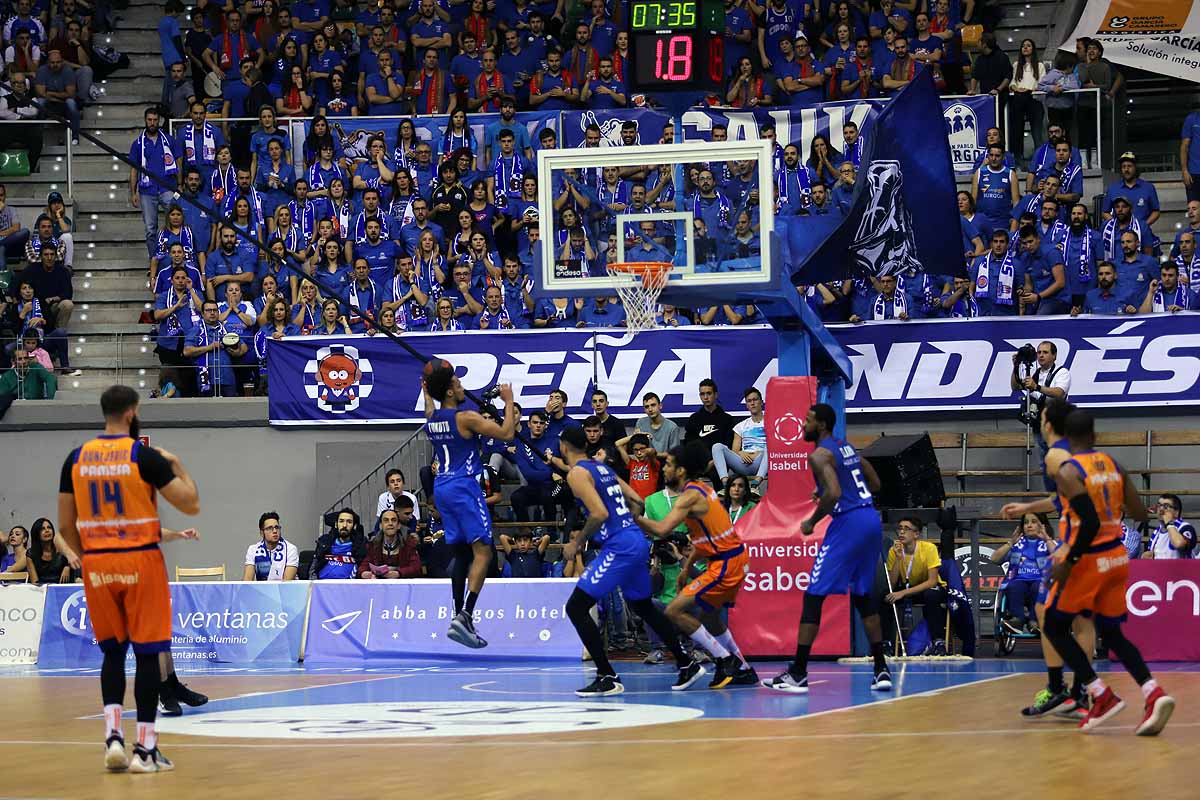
855 493
1191 131
168 32
613 497
339 563
457 457
381 258
995 194
1027 558
1040 265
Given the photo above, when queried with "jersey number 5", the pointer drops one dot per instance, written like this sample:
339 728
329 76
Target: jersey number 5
863 491
110 492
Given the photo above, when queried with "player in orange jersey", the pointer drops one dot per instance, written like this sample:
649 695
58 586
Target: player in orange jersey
1090 572
107 510
715 541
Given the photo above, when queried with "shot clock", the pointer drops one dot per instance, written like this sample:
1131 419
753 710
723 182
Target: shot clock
677 45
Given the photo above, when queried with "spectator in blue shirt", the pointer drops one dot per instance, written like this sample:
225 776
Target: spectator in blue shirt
606 90
213 360
888 303
1045 275
1135 270
176 310
1167 294
199 220
1142 196
228 263
379 253
154 152
1106 298
363 292
491 134
1189 155
1027 553
601 312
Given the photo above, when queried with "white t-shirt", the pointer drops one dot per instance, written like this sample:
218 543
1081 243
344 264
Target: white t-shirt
754 434
388 503
1060 380
270 564
1160 541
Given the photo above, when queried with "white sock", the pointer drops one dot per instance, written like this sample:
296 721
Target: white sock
705 639
1148 687
726 640
112 720
146 736
1096 687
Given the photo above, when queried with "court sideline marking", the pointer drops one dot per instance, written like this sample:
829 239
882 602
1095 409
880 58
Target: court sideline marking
899 676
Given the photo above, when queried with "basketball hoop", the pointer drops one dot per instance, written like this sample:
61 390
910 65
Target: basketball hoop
639 284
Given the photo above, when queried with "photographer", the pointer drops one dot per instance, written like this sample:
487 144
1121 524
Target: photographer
666 560
1046 381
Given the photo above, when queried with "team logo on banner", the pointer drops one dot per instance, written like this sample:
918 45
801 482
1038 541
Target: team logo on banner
610 129
789 428
884 243
338 379
962 130
354 142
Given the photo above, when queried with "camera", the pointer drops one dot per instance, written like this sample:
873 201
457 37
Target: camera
490 394
1027 355
1030 411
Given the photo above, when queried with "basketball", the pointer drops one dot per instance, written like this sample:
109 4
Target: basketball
434 363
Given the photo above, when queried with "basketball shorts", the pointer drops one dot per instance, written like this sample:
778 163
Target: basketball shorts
128 599
623 561
718 585
465 515
1095 587
849 556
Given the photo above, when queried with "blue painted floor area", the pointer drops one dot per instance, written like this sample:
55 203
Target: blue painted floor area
833 686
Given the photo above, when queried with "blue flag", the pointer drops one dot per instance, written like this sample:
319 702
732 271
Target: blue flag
904 212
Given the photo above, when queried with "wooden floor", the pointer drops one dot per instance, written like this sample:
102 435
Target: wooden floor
964 740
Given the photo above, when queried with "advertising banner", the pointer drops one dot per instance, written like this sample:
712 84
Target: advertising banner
1159 36
519 617
20 622
1164 609
781 559
966 122
913 365
368 380
1114 361
229 622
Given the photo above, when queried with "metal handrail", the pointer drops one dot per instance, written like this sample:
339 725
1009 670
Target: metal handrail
1099 128
412 454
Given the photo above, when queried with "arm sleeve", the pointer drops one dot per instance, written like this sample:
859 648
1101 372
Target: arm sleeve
1089 525
154 468
65 484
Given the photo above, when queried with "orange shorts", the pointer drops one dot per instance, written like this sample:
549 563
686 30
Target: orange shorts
718 585
1096 586
128 599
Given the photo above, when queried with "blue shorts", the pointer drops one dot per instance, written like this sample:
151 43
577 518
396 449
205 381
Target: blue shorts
849 556
465 515
623 561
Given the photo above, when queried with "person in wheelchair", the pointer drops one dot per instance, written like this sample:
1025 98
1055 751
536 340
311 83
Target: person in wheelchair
912 566
1027 553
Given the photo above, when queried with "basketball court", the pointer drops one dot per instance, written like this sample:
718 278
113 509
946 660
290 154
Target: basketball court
491 729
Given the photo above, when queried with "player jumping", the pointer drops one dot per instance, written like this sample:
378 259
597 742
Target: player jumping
713 539
850 553
455 435
623 562
1090 572
107 510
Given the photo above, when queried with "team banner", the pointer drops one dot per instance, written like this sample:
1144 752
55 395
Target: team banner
913 365
1160 36
1164 609
356 620
368 380
355 132
966 122
928 365
21 607
230 622
647 125
781 561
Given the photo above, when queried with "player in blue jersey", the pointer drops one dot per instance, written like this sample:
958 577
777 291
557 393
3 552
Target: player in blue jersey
455 435
624 562
849 556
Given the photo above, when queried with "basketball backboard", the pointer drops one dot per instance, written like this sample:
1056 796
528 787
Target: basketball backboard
621 203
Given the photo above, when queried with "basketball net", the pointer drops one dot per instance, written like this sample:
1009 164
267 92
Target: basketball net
639 285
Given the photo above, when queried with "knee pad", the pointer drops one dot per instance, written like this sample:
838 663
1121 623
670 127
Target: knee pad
811 615
865 605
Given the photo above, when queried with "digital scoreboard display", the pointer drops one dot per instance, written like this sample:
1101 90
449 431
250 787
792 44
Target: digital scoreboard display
677 45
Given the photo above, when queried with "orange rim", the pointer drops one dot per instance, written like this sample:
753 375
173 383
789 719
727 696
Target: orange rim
649 271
